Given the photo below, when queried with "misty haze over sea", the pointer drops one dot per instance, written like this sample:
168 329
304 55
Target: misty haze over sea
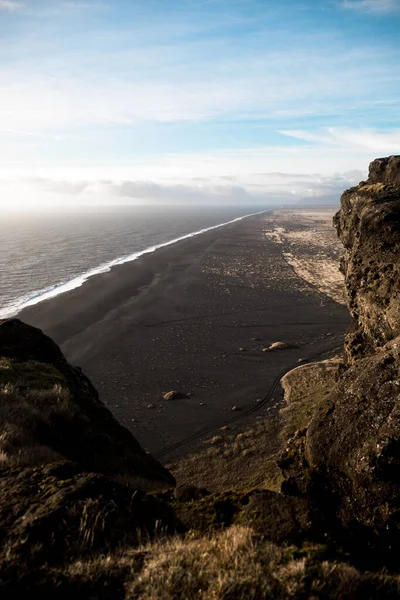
39 252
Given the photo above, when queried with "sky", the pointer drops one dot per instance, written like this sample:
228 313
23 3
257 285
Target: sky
194 101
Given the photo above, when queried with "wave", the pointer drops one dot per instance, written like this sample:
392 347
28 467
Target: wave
51 292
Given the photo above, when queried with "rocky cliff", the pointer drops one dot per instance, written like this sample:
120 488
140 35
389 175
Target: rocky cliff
368 226
347 460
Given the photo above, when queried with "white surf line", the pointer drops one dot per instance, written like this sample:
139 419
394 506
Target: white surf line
78 281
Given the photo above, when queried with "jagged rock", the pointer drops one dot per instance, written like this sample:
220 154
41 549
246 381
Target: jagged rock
50 411
386 170
347 460
353 441
368 224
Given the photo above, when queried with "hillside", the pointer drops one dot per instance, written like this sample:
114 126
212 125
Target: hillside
84 511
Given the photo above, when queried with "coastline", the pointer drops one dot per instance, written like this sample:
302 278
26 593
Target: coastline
41 295
187 317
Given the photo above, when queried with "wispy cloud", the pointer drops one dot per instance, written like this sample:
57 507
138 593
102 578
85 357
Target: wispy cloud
361 138
84 5
373 6
44 9
10 5
266 86
260 189
195 89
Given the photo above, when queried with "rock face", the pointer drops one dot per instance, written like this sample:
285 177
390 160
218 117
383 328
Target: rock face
385 170
368 226
49 411
347 461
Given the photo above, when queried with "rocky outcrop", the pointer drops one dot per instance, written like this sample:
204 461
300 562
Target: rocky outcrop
353 441
368 226
50 412
347 460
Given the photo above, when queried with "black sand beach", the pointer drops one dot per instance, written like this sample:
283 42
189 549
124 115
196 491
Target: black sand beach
192 317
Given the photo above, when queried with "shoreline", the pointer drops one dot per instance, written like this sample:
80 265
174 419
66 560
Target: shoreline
38 296
193 317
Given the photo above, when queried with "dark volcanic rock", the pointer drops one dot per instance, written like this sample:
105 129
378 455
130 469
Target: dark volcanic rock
355 438
368 224
347 461
50 411
386 170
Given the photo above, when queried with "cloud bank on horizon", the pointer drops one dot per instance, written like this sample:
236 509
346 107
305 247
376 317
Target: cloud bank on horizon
221 102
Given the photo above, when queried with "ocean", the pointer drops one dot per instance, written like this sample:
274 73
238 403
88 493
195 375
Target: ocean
43 255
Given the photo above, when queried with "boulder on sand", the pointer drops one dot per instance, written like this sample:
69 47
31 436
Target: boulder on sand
279 346
175 395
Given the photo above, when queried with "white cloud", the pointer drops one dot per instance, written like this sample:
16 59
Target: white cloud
373 6
10 5
359 138
254 189
266 86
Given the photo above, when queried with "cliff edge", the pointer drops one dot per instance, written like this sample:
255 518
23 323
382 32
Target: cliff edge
368 226
346 461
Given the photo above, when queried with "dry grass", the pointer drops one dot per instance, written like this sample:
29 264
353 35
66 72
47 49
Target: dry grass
28 402
31 395
232 565
305 387
229 565
235 460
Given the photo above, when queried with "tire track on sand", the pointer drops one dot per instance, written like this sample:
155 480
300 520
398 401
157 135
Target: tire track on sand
249 411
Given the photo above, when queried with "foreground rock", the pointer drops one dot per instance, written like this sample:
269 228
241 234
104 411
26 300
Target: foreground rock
49 411
53 513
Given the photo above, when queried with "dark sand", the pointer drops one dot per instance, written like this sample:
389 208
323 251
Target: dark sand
178 318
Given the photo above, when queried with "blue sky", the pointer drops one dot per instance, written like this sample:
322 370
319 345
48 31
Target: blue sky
214 96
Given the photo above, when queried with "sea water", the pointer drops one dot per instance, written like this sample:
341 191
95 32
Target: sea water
45 254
